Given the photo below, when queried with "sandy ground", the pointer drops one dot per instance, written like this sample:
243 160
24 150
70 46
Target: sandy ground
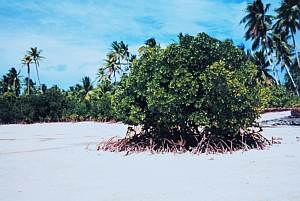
58 162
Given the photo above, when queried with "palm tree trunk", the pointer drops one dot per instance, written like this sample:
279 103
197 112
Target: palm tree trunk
14 86
288 71
37 73
28 80
297 55
115 77
128 65
274 70
277 76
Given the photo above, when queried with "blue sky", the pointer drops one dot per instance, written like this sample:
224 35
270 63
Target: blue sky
76 35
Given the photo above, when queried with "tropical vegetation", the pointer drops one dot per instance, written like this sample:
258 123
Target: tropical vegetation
198 94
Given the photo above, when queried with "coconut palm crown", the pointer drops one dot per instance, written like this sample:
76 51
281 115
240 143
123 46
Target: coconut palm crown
258 23
35 54
288 21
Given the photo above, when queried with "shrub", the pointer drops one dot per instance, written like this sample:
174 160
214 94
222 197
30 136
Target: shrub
197 92
279 97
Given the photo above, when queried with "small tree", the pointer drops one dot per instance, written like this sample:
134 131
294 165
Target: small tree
198 95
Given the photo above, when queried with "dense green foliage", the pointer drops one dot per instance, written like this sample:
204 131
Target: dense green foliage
33 108
199 82
92 105
50 105
280 97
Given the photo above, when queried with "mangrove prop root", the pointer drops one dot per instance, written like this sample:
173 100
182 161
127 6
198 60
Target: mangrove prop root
198 144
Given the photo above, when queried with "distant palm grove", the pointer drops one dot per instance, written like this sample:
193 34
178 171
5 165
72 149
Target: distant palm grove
129 88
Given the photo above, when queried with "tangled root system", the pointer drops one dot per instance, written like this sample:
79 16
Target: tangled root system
196 144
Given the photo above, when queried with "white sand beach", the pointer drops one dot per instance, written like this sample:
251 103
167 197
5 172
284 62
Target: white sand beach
59 162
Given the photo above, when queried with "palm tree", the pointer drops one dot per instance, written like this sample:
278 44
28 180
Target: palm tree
151 42
263 74
258 24
283 54
10 82
43 88
101 74
26 61
104 86
14 81
121 53
116 52
77 88
124 53
4 84
35 54
87 85
288 20
112 65
118 56
29 85
295 72
247 52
